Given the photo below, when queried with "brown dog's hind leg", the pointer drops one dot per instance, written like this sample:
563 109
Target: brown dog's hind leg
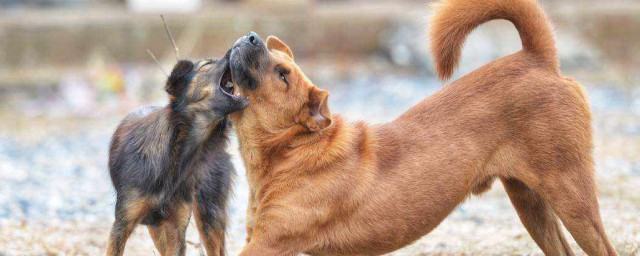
572 194
538 218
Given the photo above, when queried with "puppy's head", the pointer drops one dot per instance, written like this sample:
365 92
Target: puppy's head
281 95
201 90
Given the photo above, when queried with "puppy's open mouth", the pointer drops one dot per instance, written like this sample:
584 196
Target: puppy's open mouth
227 85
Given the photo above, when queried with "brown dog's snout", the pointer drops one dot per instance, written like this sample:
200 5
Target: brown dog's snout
248 57
251 39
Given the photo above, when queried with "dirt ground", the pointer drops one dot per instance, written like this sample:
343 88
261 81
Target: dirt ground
58 199
485 225
482 226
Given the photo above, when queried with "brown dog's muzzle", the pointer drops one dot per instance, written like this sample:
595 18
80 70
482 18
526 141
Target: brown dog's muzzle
249 58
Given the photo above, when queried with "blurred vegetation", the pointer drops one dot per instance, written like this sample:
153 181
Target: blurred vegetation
42 39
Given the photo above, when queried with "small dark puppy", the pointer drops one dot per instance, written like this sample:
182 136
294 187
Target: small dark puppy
162 157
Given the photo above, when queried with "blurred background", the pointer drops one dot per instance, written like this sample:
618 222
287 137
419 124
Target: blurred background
71 69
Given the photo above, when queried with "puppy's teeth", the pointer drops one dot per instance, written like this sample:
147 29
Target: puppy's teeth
229 85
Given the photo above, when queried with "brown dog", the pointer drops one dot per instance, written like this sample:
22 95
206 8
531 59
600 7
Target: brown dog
325 186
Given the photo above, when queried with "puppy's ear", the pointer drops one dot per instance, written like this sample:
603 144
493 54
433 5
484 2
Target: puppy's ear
274 43
319 116
179 78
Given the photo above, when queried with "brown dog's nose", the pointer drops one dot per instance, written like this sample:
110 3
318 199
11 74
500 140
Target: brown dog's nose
252 38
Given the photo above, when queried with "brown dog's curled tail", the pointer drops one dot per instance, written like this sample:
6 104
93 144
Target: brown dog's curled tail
455 19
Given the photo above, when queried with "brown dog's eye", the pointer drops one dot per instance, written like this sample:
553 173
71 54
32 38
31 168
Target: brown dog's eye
284 78
282 73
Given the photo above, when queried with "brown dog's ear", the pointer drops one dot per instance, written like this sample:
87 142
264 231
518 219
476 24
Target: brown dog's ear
319 114
274 43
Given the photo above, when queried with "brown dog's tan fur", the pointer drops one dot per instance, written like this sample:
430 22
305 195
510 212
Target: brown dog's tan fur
354 189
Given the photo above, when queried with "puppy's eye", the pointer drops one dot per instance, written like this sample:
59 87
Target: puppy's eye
283 78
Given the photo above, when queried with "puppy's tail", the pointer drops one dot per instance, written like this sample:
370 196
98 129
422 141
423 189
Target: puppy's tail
455 19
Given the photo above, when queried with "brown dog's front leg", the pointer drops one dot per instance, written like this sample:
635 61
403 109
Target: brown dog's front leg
251 212
256 248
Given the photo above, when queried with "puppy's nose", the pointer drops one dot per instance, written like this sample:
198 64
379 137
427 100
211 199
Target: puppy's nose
252 38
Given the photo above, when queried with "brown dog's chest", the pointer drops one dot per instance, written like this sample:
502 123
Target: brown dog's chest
335 187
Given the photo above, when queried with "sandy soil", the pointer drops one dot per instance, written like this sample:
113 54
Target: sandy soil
56 199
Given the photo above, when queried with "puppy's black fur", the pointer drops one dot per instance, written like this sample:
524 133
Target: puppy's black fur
161 158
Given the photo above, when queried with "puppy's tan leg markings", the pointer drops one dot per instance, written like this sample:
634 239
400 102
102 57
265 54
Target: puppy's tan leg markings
176 228
172 246
120 232
127 217
159 238
213 238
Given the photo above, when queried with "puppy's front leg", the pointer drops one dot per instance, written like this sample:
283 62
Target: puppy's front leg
175 228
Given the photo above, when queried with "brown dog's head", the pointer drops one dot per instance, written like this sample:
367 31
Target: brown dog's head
203 90
281 95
